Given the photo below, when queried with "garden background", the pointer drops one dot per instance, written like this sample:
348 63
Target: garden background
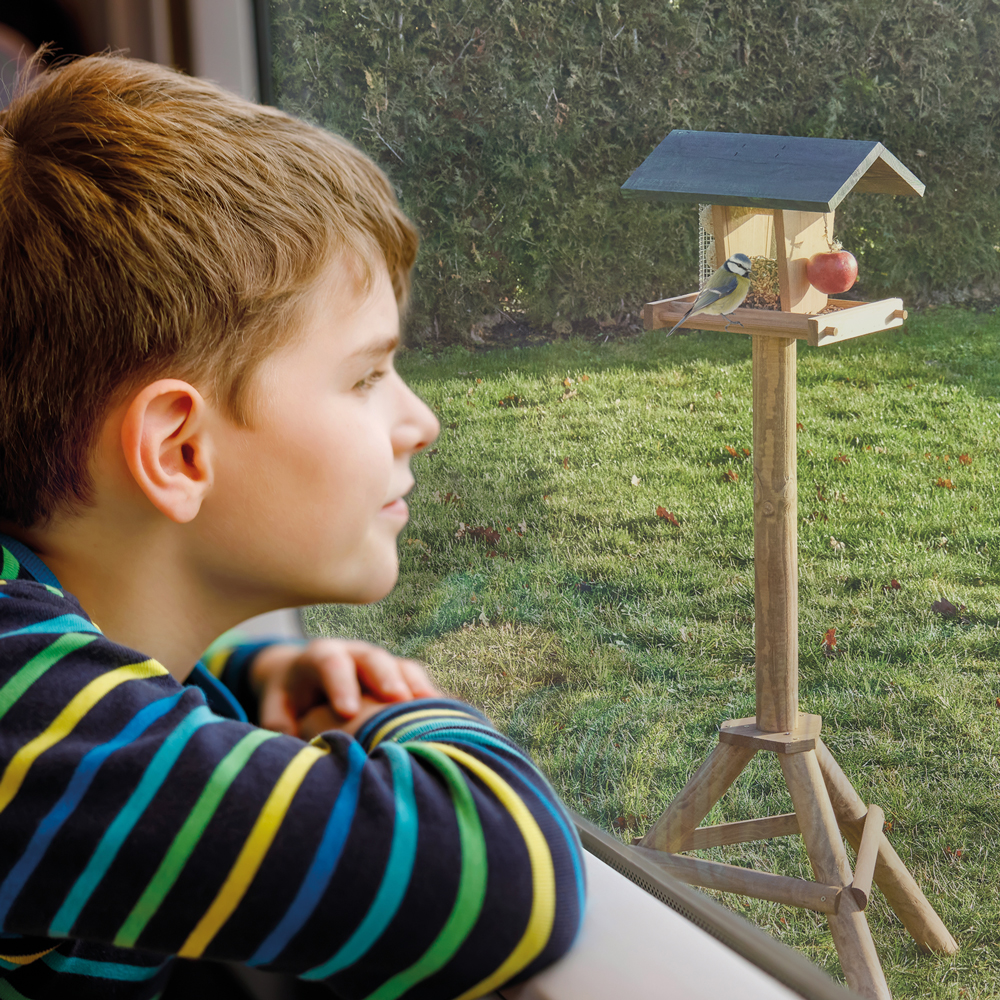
579 556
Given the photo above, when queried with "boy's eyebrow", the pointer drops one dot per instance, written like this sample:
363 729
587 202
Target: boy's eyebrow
377 350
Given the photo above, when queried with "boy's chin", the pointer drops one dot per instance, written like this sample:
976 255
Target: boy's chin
380 584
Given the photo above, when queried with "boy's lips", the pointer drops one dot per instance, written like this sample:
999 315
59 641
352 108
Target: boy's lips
397 508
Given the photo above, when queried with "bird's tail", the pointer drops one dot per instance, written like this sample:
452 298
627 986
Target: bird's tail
678 323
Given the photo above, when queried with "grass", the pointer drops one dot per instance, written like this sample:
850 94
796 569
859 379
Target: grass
539 583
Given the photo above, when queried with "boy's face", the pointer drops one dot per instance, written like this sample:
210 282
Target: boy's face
307 504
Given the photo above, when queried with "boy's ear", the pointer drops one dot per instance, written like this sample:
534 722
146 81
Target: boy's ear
166 446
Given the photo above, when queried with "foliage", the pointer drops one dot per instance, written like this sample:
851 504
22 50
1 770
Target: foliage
540 583
509 127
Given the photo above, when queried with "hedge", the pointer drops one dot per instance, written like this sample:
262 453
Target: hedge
508 128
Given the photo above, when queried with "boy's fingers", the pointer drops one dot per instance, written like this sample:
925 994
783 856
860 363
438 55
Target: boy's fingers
380 672
275 713
421 686
338 675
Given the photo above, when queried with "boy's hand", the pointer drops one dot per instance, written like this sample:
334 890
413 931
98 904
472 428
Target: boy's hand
349 679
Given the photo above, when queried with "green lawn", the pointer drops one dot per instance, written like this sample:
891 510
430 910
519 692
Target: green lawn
612 643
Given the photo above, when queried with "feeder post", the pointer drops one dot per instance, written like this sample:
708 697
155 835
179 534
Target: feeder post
775 556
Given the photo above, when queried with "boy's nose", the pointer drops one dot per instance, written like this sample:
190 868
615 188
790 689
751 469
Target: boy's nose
419 427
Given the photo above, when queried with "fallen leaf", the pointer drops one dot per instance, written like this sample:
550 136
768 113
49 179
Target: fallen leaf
746 452
718 395
892 585
635 480
731 450
565 463
964 459
843 459
829 643
567 381
946 484
490 535
667 516
800 426
731 475
946 609
624 822
584 378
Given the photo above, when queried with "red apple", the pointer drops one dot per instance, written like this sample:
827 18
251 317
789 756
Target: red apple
832 272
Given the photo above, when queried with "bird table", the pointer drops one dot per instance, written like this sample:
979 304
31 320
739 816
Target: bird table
786 190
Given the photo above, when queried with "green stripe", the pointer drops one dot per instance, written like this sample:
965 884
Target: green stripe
7 992
188 837
67 643
471 882
11 567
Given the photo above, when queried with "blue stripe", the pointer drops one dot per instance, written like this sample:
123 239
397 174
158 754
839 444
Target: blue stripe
102 970
64 623
220 699
380 719
85 772
398 870
551 803
29 560
324 863
156 773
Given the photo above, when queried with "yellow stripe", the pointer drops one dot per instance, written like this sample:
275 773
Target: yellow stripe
252 854
65 721
217 660
25 959
402 720
543 879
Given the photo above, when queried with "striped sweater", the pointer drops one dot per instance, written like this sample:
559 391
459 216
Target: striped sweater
142 819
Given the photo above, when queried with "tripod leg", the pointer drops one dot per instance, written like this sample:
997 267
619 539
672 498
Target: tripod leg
694 801
851 934
894 879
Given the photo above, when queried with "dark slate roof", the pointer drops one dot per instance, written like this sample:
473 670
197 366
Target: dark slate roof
767 171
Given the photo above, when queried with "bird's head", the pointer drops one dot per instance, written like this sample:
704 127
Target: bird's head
739 264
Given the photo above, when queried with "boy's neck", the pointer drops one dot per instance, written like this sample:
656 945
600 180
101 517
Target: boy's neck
139 590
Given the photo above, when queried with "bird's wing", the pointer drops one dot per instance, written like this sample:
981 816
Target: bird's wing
710 295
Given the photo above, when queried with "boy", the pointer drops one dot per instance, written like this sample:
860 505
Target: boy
200 303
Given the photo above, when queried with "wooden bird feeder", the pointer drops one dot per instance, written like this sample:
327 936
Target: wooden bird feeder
778 194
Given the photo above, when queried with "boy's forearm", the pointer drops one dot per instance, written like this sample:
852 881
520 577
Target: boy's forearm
427 849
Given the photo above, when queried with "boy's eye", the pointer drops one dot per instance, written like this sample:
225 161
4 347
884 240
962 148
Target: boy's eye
369 380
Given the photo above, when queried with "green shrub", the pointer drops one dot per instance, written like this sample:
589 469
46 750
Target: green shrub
508 128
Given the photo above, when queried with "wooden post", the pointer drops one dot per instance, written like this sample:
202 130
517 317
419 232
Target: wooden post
864 863
747 882
891 876
775 539
851 934
695 800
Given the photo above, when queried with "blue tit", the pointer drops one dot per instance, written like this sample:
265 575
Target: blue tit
723 292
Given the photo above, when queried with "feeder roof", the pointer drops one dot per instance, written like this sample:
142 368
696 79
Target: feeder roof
767 171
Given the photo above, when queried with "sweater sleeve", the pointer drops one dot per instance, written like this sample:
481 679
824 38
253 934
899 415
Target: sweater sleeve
426 858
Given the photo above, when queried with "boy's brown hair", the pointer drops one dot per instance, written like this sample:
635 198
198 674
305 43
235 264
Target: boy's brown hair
153 225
